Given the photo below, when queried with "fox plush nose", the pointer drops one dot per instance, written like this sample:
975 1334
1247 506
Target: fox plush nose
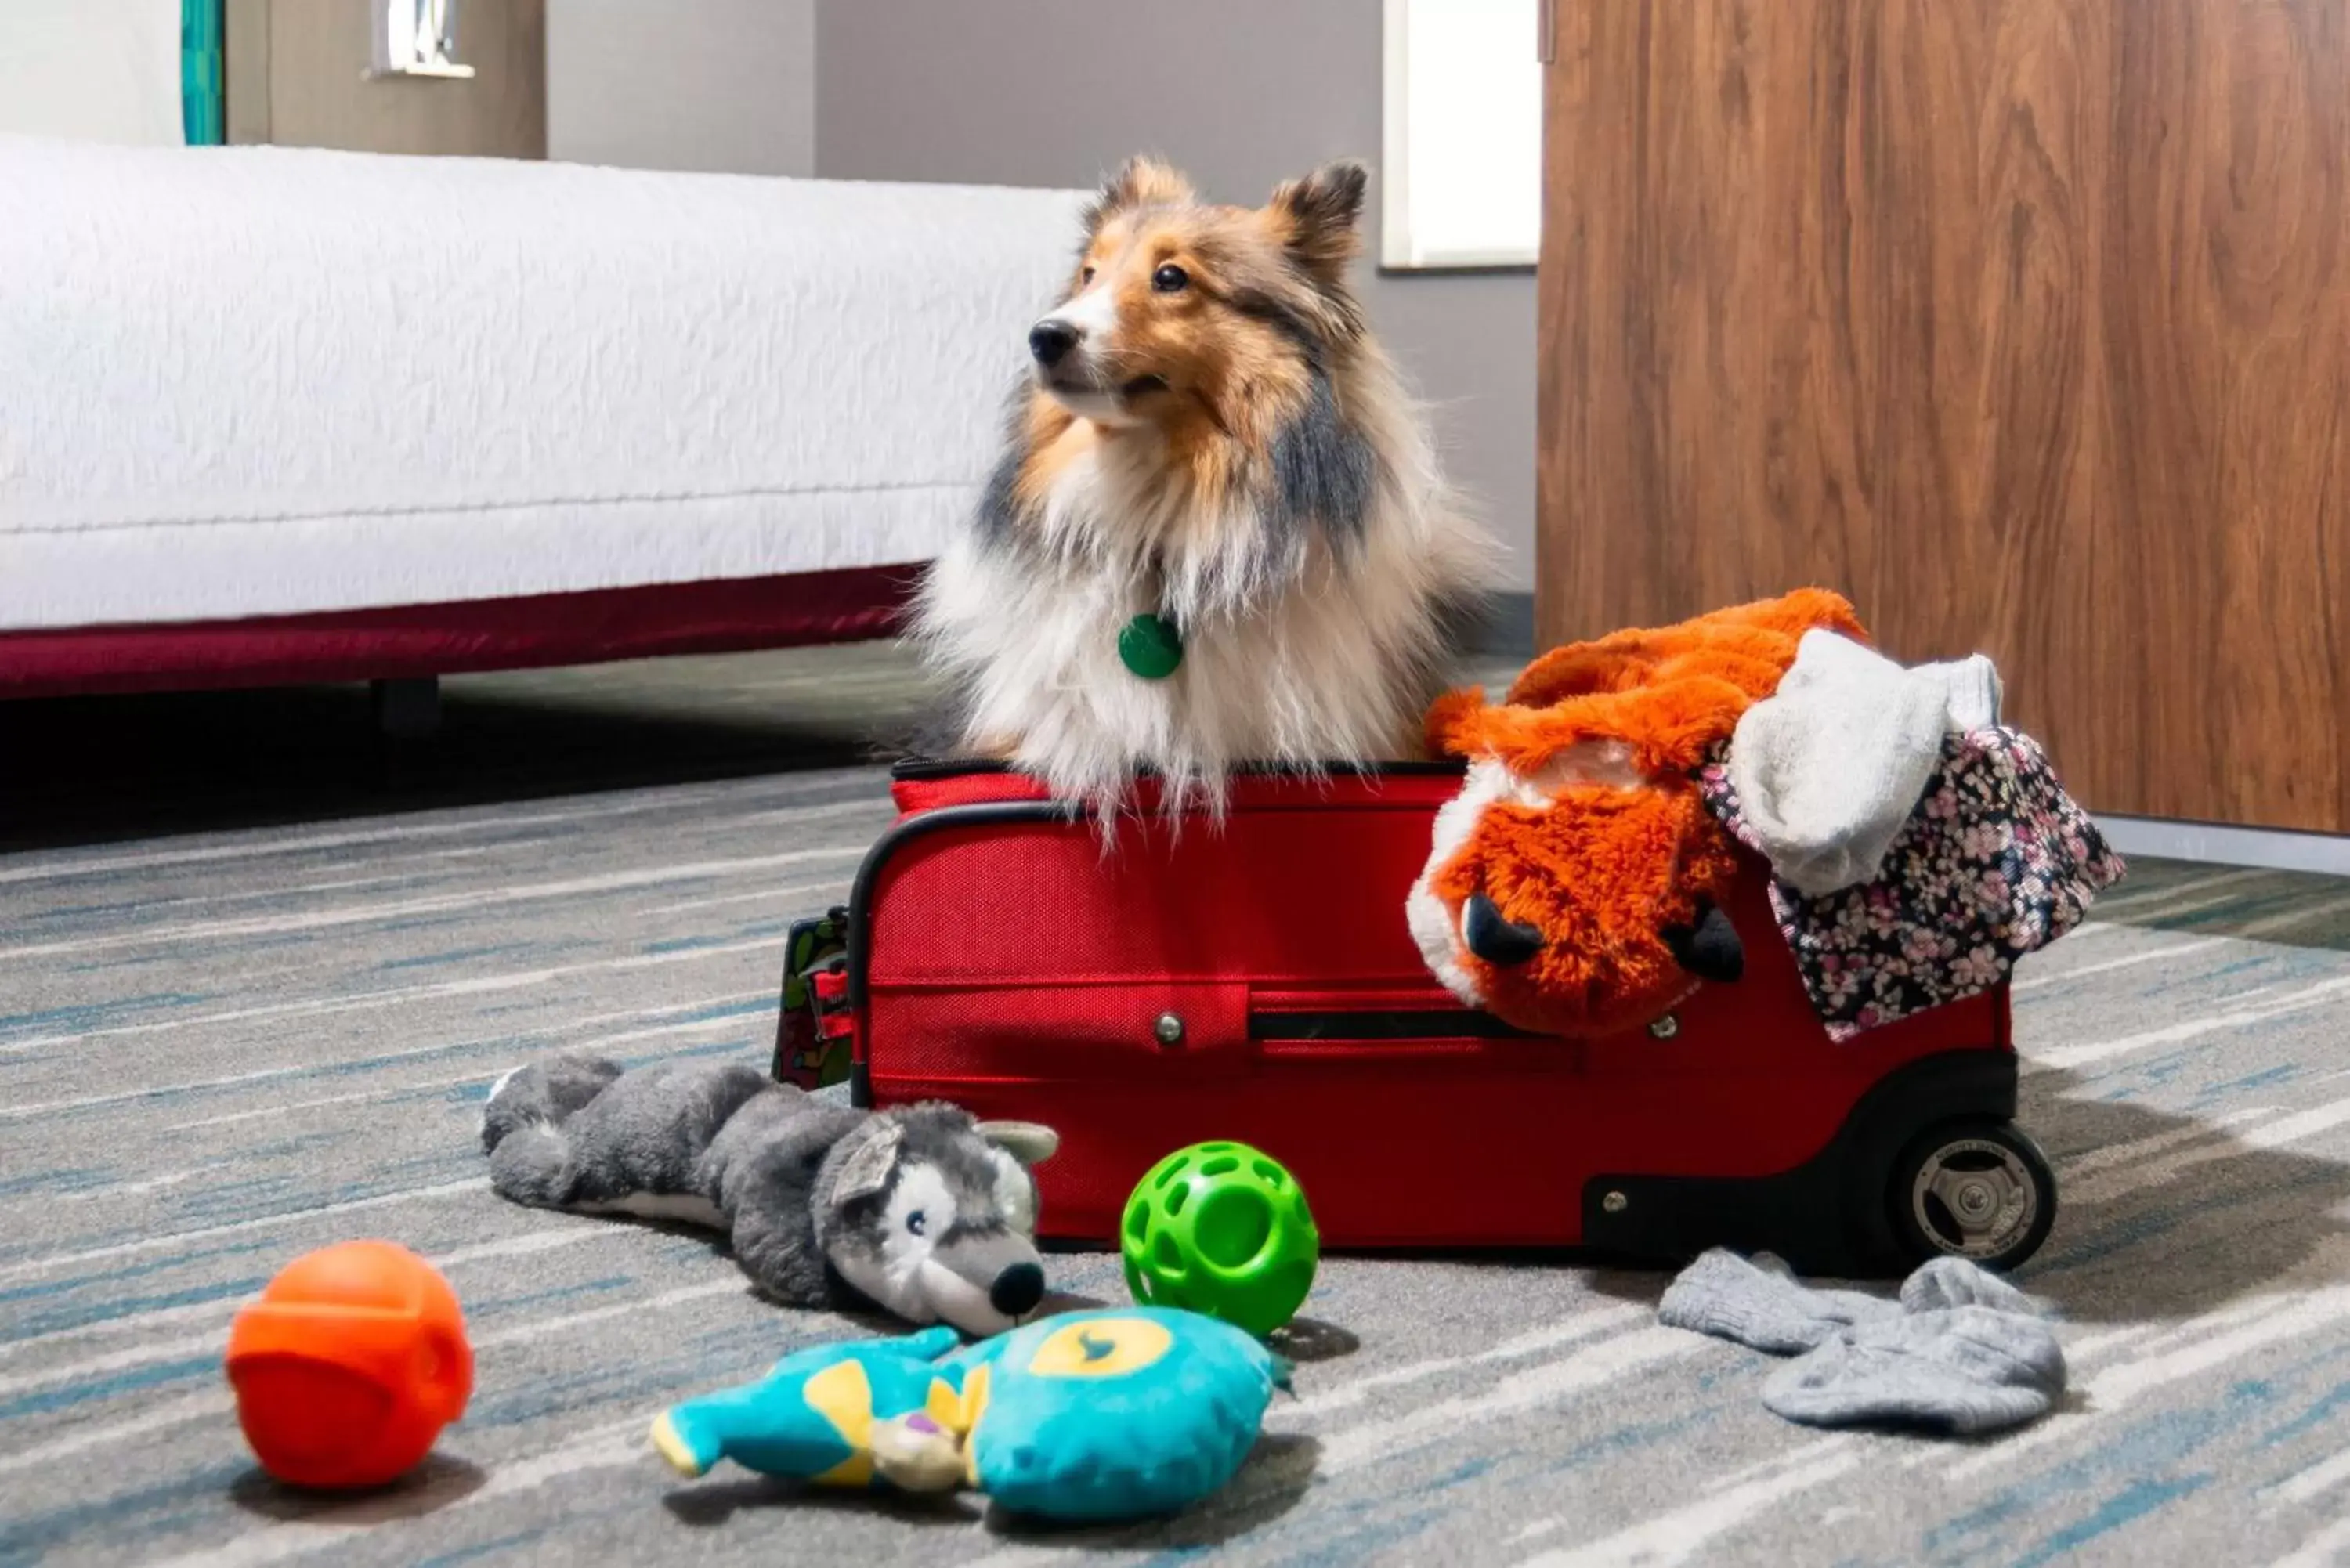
1495 937
1710 949
1017 1290
1050 341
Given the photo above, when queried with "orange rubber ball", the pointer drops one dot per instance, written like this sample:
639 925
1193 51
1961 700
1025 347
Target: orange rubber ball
349 1365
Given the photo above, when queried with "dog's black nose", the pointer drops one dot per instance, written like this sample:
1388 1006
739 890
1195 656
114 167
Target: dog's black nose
1017 1290
1050 341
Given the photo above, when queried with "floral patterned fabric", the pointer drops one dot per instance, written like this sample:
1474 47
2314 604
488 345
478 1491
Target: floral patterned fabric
1996 862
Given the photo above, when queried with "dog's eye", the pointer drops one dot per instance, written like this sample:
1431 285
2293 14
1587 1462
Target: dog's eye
1170 279
1086 275
917 1222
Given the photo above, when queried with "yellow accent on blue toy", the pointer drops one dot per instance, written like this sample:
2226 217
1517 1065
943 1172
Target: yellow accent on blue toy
1090 1415
812 1416
1102 1348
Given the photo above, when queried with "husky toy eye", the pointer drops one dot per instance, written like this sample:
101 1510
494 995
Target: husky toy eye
1170 279
1086 275
917 1222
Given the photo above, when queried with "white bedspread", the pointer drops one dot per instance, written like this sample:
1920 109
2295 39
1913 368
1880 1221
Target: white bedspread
261 381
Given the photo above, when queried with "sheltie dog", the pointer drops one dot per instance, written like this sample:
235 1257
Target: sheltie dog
1219 536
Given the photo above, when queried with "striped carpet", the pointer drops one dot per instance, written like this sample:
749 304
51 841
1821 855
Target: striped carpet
220 1048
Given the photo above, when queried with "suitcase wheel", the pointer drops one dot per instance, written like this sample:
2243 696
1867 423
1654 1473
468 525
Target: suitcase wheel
1974 1187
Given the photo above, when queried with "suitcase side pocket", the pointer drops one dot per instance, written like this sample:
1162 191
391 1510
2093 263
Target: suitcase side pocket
812 1040
1283 1019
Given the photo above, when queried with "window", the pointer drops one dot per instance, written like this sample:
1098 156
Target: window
1463 174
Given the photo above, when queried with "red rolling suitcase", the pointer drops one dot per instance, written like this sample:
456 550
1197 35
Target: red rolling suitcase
1255 981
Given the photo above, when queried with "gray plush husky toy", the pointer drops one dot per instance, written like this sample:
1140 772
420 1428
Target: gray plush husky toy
919 1208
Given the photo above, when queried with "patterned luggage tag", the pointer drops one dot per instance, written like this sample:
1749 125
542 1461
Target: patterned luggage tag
806 1053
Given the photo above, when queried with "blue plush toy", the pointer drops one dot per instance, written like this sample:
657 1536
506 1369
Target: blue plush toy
1090 1415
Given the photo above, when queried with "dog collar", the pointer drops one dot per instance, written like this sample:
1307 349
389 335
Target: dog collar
1150 647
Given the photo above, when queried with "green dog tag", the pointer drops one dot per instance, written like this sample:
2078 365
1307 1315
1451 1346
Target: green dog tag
1150 647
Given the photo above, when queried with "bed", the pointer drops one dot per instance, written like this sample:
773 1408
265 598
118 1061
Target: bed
271 415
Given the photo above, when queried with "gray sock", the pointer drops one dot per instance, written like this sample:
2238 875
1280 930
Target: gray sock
1962 1351
1957 1369
1761 1305
1956 1282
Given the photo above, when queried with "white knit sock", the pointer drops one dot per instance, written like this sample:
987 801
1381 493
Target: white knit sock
1974 690
1829 767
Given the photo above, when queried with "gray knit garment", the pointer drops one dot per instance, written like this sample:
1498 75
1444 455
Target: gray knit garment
1961 1370
1961 1352
1760 1303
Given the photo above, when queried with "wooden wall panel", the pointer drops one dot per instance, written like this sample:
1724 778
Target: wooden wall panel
2026 323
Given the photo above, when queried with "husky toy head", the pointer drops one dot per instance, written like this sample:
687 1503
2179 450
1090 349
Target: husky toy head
933 1215
919 1209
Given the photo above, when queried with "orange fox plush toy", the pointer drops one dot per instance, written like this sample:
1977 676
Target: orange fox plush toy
1576 880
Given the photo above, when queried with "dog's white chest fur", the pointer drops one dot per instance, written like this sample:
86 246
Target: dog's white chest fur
1297 658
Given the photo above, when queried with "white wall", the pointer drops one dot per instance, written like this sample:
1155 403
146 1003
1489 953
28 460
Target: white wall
91 70
1242 93
725 86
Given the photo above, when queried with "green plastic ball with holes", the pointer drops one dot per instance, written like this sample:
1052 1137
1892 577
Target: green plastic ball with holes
1221 1229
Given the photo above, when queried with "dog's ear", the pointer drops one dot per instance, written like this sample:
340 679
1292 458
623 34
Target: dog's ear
866 1169
1142 182
1316 218
1027 1142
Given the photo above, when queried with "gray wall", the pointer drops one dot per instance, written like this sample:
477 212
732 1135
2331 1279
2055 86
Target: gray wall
726 85
1242 94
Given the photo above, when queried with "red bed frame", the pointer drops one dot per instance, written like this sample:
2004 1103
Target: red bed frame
413 641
